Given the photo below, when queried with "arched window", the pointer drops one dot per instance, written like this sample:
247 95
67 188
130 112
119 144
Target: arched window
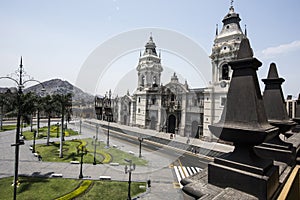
225 72
154 81
143 80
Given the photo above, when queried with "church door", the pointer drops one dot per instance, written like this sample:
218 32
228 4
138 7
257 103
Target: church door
171 124
194 129
153 123
125 119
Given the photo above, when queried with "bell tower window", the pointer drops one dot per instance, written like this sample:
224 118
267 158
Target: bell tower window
143 81
225 72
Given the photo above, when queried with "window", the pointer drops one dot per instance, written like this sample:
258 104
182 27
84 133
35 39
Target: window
139 110
223 101
139 99
153 100
143 80
172 97
225 72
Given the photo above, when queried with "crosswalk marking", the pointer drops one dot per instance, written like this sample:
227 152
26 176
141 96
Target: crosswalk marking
177 174
194 170
190 171
184 172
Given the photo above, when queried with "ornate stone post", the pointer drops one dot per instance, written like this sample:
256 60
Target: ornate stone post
275 148
244 123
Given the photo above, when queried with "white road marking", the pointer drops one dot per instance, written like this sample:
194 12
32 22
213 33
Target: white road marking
184 172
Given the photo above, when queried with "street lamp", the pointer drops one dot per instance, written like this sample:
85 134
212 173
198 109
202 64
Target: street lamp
33 145
82 151
140 140
20 84
107 140
129 169
57 129
96 138
80 123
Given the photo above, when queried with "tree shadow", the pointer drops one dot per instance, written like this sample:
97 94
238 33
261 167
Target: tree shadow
26 183
72 156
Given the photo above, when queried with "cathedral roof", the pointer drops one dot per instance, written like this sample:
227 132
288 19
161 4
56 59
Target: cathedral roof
150 47
231 25
231 17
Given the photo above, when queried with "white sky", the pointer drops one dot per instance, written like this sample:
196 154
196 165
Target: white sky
56 37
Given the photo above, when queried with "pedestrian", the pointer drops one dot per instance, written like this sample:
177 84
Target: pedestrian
40 157
188 141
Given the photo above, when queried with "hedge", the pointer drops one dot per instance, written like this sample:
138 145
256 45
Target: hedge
80 190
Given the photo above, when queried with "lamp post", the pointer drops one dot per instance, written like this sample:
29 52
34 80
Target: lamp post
57 129
20 84
80 123
140 140
107 140
129 169
96 138
33 145
82 151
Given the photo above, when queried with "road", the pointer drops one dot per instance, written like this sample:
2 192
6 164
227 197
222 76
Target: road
179 156
182 163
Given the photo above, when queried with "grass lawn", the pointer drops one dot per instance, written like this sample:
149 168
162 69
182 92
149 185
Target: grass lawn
11 127
51 153
37 188
53 133
52 188
107 190
8 127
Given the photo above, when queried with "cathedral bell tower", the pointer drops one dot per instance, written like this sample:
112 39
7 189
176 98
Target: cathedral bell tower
149 76
224 50
149 67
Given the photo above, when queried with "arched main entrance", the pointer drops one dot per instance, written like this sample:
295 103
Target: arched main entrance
125 119
194 129
171 124
153 123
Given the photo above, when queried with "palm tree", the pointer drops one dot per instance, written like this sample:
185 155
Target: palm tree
65 109
7 105
48 107
2 105
39 108
29 108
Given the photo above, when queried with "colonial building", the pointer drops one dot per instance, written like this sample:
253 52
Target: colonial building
174 107
293 106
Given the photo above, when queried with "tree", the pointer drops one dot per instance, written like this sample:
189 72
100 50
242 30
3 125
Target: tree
39 108
7 105
47 107
65 109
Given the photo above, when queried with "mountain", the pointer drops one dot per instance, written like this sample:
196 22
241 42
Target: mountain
57 86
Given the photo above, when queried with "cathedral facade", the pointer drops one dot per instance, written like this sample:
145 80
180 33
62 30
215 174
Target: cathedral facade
174 107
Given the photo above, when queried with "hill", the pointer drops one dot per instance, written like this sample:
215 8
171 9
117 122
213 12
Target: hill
58 86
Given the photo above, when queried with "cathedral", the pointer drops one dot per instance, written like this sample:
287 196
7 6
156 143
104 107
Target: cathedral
174 107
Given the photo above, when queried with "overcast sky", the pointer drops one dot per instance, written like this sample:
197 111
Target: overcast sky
57 37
